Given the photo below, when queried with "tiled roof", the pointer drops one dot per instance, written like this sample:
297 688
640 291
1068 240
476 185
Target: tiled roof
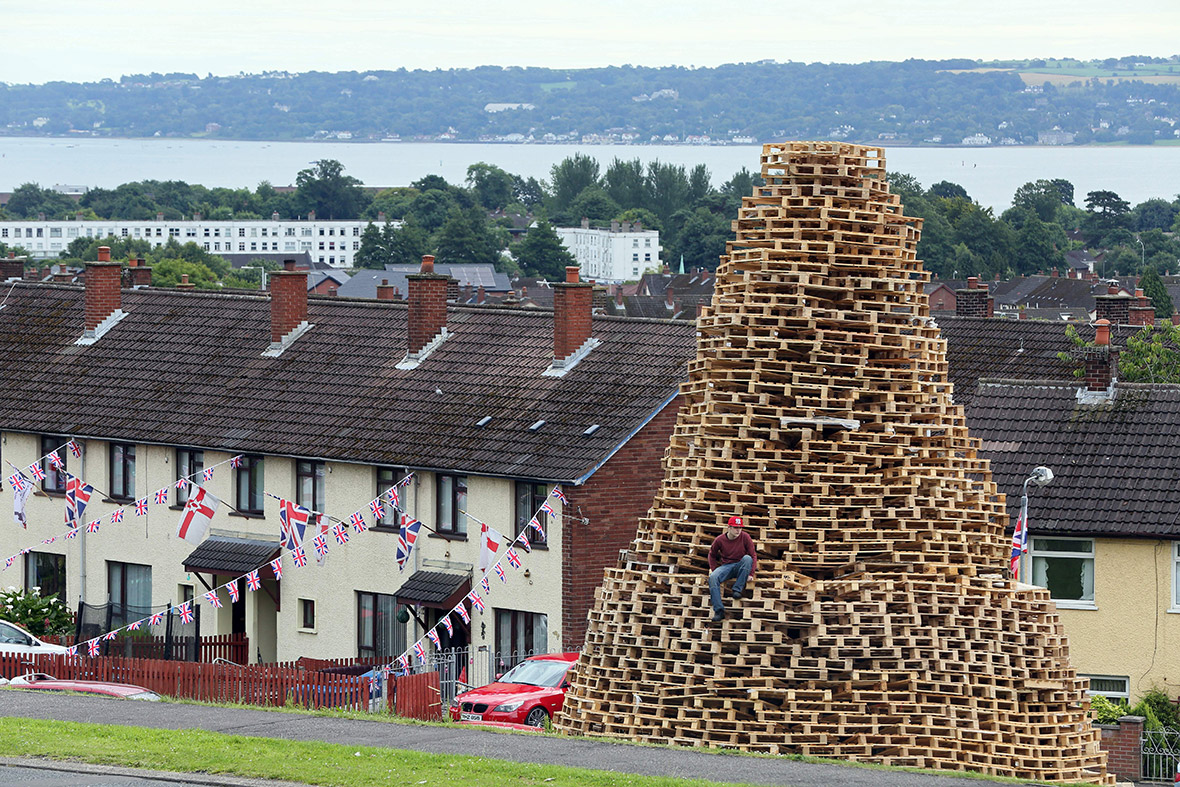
187 369
1114 463
432 587
363 283
224 555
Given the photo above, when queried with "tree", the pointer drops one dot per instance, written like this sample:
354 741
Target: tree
431 209
1106 212
570 177
325 189
541 253
528 191
667 189
493 187
28 200
594 204
702 239
1151 355
1154 214
465 240
624 183
948 190
1039 196
1153 287
1035 250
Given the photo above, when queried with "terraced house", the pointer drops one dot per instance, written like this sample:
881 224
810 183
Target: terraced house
329 402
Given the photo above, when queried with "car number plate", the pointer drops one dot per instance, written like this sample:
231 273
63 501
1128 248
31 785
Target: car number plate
470 717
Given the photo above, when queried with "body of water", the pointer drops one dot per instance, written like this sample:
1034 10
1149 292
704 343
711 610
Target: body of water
990 175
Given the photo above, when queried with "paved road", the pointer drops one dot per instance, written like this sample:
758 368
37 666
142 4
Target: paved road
544 749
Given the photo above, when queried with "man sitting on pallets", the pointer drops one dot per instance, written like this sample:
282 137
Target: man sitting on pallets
731 556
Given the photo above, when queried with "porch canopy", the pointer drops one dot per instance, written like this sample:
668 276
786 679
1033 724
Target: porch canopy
225 556
434 589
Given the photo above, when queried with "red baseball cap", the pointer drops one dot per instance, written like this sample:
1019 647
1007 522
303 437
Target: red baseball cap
737 521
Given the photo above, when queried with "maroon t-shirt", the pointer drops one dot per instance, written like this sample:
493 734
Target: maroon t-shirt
725 551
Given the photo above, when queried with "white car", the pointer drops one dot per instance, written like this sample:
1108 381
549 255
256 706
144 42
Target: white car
14 639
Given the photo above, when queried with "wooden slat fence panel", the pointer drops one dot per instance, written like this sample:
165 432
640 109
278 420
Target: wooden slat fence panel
416 696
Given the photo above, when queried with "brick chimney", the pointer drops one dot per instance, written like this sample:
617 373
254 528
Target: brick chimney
138 273
288 301
185 284
669 302
428 305
385 291
571 314
975 300
1101 359
12 266
1141 312
1053 273
481 295
104 294
1175 318
1113 307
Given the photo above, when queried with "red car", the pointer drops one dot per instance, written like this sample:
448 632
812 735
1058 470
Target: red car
39 680
529 693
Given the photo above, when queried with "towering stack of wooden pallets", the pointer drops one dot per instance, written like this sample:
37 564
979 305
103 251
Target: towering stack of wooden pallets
881 625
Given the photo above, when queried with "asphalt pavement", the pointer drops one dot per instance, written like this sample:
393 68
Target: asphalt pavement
469 741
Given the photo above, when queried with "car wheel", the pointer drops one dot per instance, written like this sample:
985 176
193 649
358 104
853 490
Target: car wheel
537 717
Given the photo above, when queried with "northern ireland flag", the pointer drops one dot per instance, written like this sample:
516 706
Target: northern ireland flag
198 513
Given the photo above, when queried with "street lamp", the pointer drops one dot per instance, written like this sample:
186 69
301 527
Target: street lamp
1142 255
1040 476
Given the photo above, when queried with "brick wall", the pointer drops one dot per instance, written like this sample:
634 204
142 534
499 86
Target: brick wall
1121 744
427 298
103 294
288 302
612 500
571 317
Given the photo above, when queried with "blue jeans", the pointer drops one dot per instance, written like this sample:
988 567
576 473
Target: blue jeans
739 571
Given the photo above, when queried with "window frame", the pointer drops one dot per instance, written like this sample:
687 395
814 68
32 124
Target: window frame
396 630
307 617
191 460
121 456
50 444
31 569
1038 553
1124 694
312 474
118 592
524 624
454 526
392 518
251 463
537 493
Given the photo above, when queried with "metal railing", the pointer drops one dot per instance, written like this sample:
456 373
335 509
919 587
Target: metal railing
463 669
1161 754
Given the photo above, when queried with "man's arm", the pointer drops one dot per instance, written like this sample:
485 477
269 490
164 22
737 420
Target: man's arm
713 555
752 553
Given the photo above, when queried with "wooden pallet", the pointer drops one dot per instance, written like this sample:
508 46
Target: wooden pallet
878 626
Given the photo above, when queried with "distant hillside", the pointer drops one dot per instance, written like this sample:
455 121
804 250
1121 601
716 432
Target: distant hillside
1132 99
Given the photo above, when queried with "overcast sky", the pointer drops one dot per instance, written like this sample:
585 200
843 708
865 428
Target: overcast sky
85 40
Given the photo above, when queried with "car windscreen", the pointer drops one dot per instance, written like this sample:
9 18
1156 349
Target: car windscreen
537 672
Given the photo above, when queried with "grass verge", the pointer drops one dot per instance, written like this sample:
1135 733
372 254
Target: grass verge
198 751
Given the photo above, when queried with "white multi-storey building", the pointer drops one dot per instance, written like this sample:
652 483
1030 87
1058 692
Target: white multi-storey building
621 253
332 243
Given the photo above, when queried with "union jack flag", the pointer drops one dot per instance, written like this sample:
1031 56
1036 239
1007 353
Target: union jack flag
559 494
75 450
446 621
72 650
406 538
406 480
357 521
513 557
487 588
462 610
92 647
341 533
207 474
186 612
72 534
181 483
476 601
500 572
232 587
141 506
321 545
235 462
213 599
8 562
293 520
393 497
161 496
36 471
434 638
49 540
523 540
276 566
420 652
377 509
157 619
299 556
404 661
535 525
548 509
134 625
92 527
110 635
55 460
116 516
16 481
253 581
77 496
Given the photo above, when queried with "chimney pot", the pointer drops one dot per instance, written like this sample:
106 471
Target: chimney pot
288 265
1102 333
104 253
972 282
427 264
571 274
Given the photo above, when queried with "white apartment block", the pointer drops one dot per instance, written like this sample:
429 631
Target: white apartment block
621 253
332 243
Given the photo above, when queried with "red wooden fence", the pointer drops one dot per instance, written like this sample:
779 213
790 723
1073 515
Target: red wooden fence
231 647
416 697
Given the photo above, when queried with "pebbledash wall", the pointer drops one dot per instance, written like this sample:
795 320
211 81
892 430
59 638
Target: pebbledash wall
332 243
365 564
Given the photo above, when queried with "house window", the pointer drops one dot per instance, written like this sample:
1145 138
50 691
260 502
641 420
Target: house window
519 634
130 589
309 484
189 464
48 572
1066 567
378 633
1112 686
452 500
185 593
529 497
386 478
122 471
55 479
307 614
249 482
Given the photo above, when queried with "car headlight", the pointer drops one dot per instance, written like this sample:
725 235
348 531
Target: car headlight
508 707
